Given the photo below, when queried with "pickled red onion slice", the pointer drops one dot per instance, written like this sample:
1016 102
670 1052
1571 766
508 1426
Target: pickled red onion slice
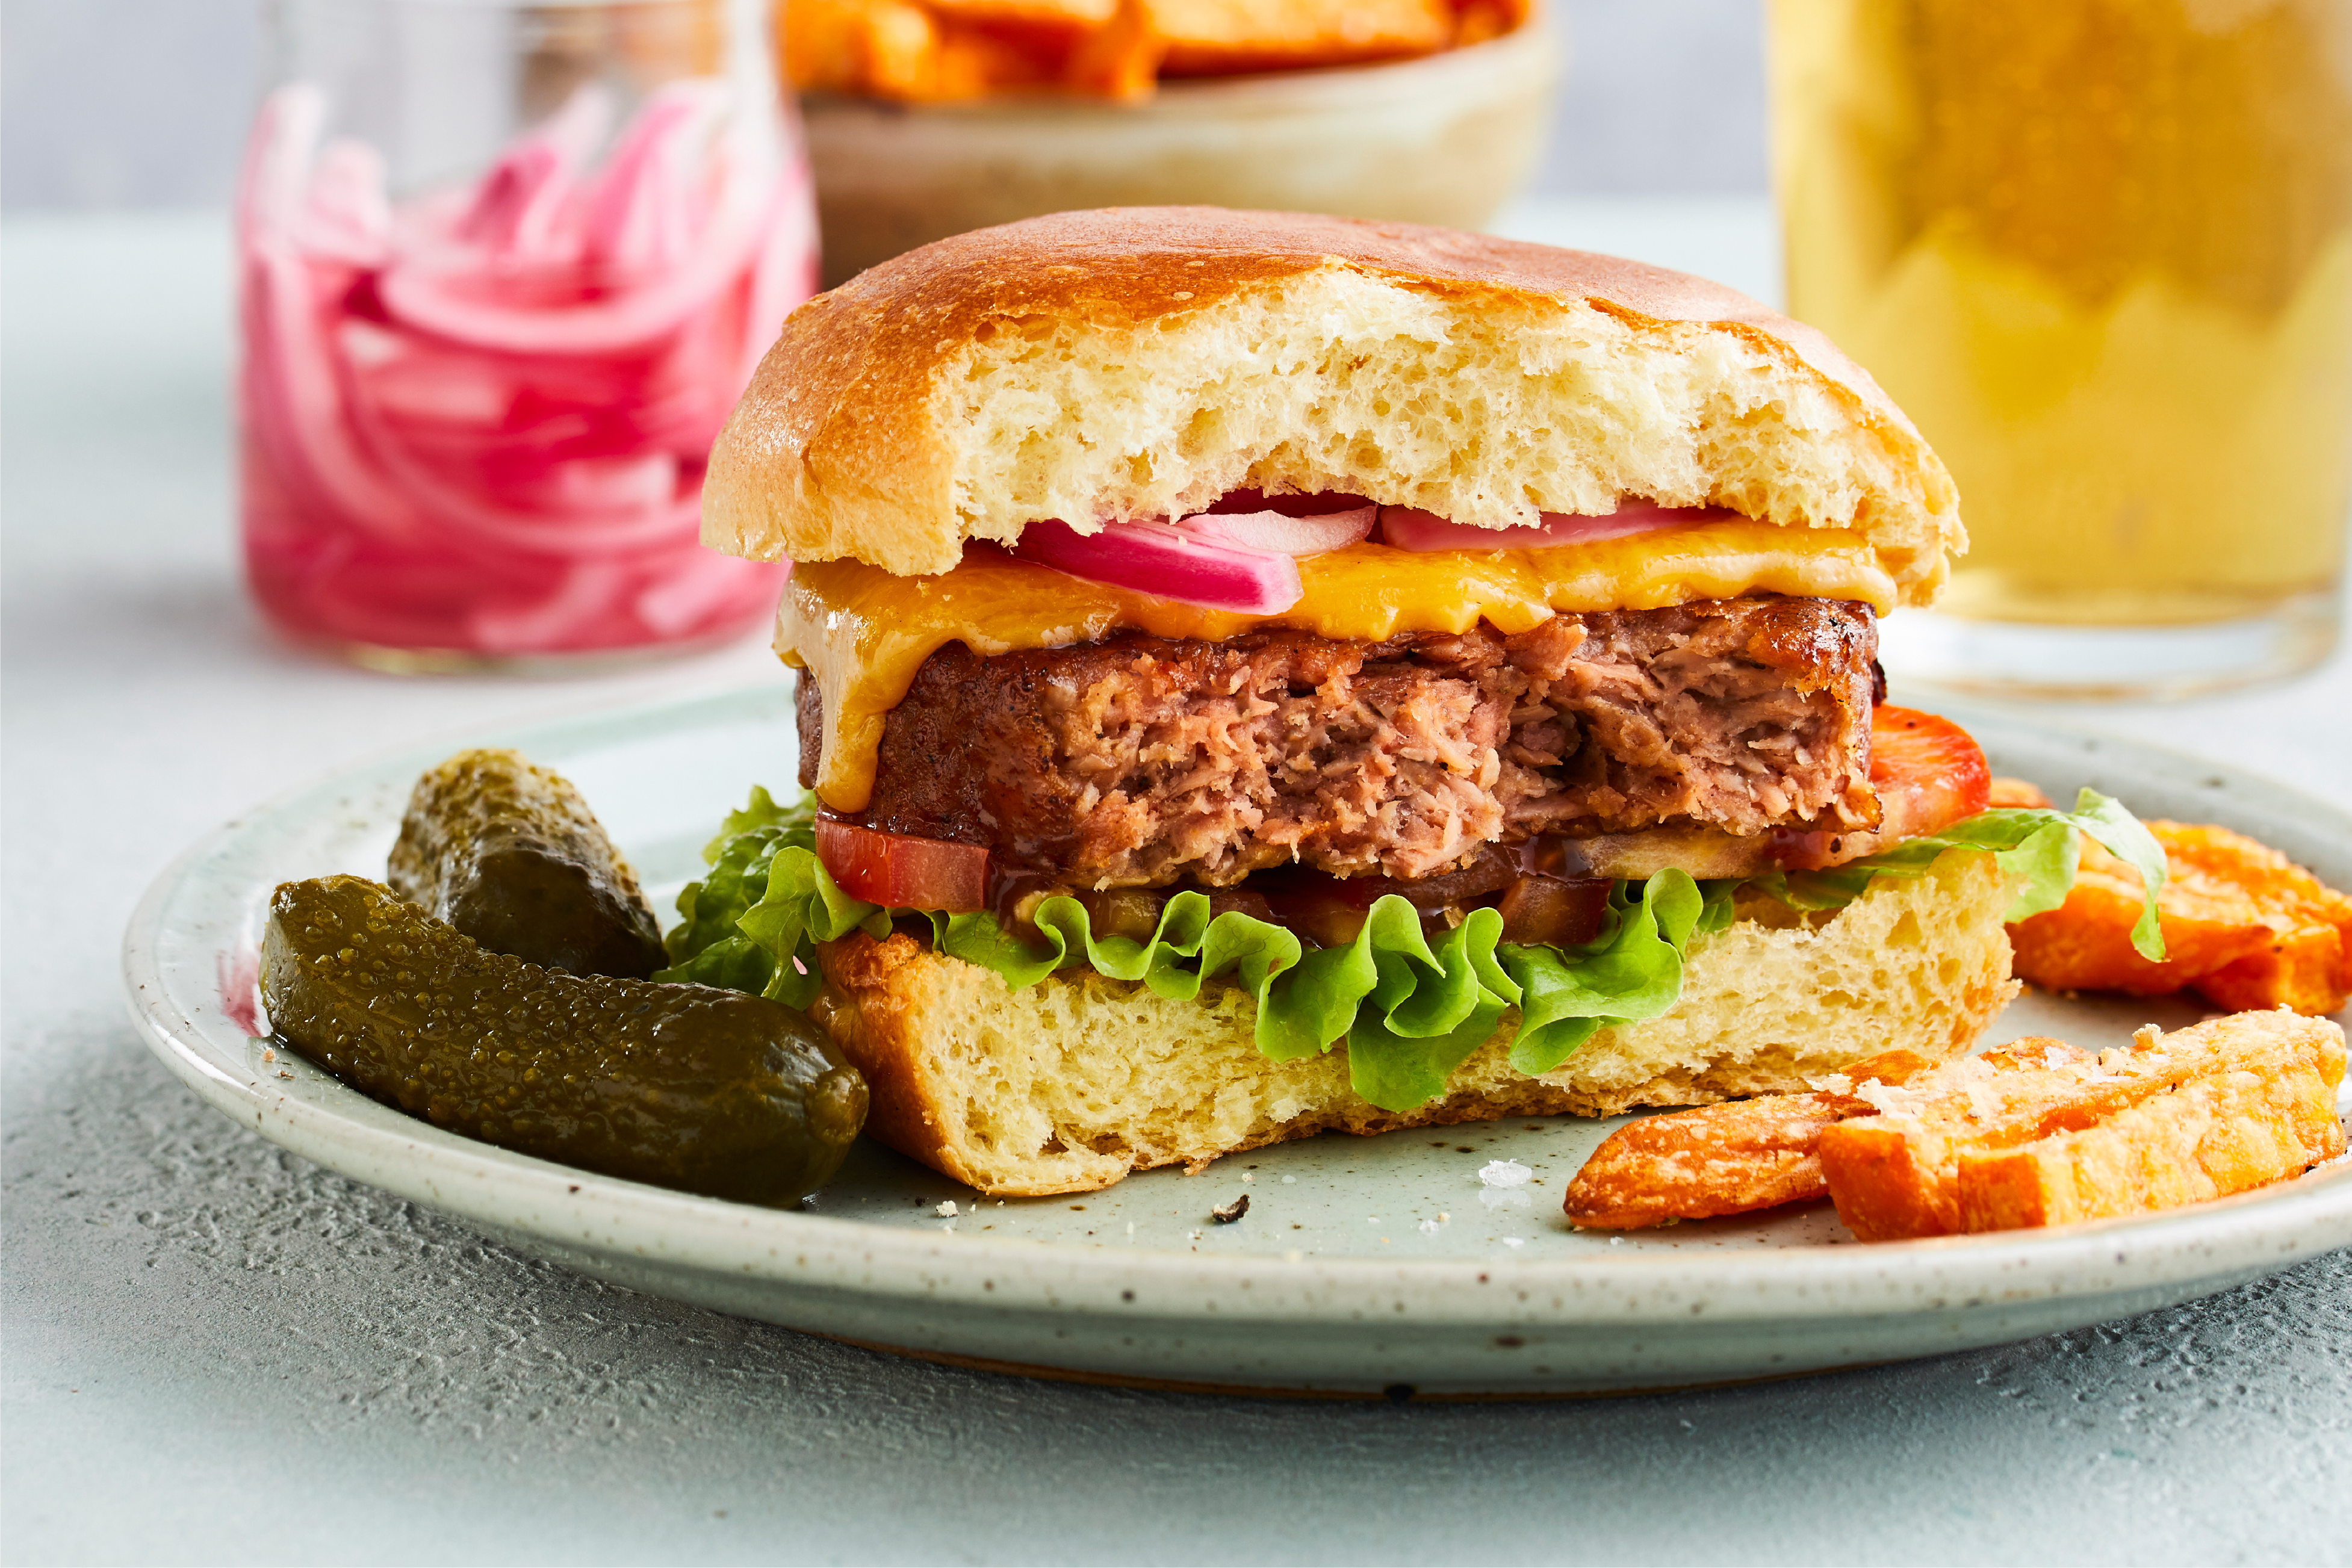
653 246
1407 527
1152 557
1304 534
518 209
648 206
348 217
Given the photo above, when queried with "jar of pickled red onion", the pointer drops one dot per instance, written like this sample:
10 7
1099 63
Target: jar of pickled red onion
503 270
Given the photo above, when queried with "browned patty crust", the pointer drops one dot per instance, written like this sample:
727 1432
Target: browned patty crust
1139 761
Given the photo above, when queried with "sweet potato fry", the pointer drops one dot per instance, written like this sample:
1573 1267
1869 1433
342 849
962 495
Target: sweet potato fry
928 53
922 51
1476 21
2244 927
1218 37
2017 794
991 45
1121 59
1899 1174
1068 17
1729 1158
888 47
2208 1138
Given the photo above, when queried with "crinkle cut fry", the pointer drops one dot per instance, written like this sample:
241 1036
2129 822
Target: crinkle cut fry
1898 1174
1727 1158
2243 925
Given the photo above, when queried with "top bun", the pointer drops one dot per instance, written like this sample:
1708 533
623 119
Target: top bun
1142 361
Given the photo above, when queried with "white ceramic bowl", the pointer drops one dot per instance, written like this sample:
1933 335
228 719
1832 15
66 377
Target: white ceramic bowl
1445 138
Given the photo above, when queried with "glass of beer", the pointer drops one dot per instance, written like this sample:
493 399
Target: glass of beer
2101 252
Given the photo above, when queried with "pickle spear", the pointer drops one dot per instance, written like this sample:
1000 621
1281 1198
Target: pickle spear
684 1086
510 854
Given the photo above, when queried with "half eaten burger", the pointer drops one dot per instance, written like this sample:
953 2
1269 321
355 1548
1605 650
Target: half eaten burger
1262 673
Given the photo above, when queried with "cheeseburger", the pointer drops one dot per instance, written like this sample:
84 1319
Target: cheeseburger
1261 673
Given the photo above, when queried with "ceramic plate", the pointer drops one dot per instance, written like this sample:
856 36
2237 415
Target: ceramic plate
1362 1265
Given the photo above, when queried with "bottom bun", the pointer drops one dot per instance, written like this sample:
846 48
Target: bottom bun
1071 1084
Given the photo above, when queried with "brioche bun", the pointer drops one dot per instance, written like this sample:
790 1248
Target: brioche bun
1069 1085
1143 361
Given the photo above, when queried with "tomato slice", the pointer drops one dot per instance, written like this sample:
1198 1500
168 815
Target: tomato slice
1929 772
899 870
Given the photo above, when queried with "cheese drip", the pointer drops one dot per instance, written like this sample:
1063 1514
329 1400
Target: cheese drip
861 633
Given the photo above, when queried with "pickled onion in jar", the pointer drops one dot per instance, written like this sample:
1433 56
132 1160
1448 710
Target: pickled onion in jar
475 421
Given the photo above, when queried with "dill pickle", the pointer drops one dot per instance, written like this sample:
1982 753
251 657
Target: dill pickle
684 1086
510 854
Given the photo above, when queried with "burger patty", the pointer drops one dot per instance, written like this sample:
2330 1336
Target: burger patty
1139 761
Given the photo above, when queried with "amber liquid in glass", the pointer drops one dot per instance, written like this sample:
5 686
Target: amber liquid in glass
2101 252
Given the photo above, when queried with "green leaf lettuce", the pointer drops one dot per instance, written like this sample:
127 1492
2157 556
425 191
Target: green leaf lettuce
2038 850
1410 1006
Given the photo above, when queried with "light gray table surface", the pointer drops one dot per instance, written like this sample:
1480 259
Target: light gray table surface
215 1350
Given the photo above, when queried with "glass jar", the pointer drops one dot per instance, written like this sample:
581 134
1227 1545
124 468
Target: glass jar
504 269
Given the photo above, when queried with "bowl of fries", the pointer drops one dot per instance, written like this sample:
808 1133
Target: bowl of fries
927 118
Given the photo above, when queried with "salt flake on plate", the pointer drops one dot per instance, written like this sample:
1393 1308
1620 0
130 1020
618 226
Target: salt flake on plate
1504 1173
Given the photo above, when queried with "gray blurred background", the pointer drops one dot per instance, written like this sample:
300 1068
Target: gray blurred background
142 103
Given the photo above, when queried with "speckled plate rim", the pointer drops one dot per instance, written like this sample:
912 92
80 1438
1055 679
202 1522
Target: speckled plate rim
579 1212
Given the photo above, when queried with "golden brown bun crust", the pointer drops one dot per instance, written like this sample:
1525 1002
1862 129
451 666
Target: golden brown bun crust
902 412
1071 1084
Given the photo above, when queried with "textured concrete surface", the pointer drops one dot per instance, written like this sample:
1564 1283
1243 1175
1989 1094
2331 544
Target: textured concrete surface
212 1351
216 1350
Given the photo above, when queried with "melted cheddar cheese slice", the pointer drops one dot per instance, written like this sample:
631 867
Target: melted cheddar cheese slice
861 633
